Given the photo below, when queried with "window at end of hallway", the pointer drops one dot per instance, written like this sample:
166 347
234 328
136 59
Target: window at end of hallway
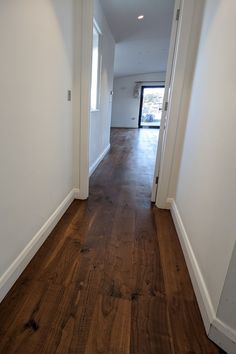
96 69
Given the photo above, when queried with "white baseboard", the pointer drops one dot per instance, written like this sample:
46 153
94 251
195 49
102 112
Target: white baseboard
99 159
124 127
17 267
217 331
198 282
223 335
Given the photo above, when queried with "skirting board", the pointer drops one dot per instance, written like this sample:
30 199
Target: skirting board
223 336
99 159
124 127
8 279
217 331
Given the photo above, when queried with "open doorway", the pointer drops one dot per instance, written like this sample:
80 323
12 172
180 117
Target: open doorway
151 102
141 57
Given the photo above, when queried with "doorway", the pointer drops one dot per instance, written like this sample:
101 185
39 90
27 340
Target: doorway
151 103
82 180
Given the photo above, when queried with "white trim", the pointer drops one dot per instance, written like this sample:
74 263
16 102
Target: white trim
223 335
218 331
99 159
178 98
86 70
203 298
95 24
77 193
99 69
17 267
170 122
169 202
168 77
123 127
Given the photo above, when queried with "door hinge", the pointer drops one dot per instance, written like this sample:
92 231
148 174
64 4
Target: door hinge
166 106
157 180
69 95
177 14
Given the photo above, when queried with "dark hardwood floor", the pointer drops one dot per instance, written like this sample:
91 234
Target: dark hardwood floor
111 278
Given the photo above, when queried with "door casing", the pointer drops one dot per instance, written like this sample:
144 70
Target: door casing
169 123
170 64
179 94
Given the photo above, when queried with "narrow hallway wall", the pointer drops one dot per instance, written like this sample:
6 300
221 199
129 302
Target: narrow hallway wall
36 147
205 196
101 119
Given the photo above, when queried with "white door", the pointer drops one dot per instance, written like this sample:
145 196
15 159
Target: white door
166 96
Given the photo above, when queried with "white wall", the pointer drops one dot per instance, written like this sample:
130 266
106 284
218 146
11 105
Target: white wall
206 190
101 120
125 108
36 151
227 306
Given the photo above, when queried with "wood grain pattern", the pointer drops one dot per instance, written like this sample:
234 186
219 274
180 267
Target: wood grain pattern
113 316
185 320
111 278
150 328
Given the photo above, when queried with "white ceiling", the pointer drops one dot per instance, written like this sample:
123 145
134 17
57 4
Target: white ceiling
142 46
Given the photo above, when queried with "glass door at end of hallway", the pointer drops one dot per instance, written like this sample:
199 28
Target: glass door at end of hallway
151 103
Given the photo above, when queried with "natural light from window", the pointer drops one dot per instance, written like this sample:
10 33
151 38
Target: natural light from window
95 70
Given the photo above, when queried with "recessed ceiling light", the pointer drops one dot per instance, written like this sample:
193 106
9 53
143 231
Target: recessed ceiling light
140 17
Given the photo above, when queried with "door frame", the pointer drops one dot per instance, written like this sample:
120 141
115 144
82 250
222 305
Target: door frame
170 66
178 98
141 104
169 126
84 19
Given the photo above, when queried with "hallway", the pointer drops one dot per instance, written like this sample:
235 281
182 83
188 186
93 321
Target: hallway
111 278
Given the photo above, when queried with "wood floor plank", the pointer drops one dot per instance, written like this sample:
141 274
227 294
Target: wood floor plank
147 268
190 336
72 321
118 281
177 280
30 326
150 327
111 278
113 315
